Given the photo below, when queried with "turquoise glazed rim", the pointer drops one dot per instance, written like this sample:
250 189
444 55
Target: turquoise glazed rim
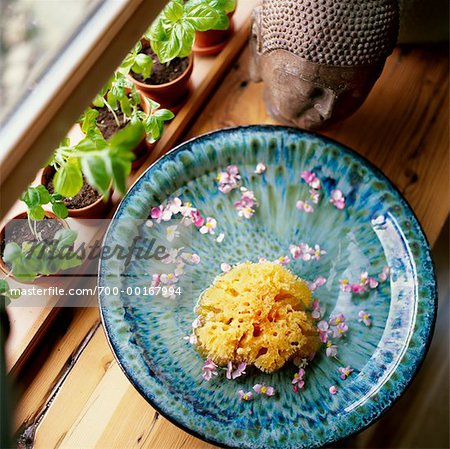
376 228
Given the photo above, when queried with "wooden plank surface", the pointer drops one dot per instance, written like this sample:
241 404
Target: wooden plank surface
402 128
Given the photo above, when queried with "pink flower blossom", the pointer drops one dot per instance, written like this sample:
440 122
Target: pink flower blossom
209 370
316 283
263 389
340 330
245 396
198 220
314 195
365 318
233 373
195 259
192 338
323 329
316 253
335 320
156 212
229 179
344 285
245 206
168 279
359 289
383 276
283 260
156 280
333 389
345 372
172 233
304 206
260 168
302 251
209 227
373 283
331 350
174 205
337 199
225 267
311 179
298 380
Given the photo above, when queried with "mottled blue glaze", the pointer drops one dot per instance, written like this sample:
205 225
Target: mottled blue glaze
376 228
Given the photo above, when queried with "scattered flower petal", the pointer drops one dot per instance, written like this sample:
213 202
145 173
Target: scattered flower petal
263 389
229 179
331 350
172 233
246 205
283 260
345 371
220 237
209 370
245 396
311 179
304 206
209 227
225 267
383 276
337 199
314 285
365 318
260 168
333 389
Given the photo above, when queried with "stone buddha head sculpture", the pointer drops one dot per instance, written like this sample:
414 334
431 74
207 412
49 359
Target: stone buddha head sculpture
319 59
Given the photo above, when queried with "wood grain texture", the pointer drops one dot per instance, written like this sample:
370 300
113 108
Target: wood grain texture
402 128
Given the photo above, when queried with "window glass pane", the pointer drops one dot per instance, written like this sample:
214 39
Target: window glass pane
32 34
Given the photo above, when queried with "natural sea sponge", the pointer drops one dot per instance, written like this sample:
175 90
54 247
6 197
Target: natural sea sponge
256 314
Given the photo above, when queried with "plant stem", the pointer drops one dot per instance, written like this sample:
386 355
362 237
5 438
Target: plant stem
113 113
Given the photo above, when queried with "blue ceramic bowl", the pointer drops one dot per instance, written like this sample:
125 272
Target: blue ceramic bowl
376 228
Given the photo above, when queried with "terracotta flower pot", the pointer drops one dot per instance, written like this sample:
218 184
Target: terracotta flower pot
170 95
23 216
97 209
212 42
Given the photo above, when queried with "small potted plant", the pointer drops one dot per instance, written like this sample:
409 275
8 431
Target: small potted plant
213 41
161 63
119 104
38 242
85 173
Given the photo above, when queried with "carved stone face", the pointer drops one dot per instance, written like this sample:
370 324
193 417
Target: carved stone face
304 93
309 95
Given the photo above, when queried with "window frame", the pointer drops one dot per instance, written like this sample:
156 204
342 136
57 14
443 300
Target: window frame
48 112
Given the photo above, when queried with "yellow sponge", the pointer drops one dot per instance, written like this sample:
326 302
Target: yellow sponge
256 314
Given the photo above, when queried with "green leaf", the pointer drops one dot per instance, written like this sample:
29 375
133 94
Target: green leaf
127 139
88 120
96 173
65 238
68 180
174 10
164 115
143 65
60 209
186 35
98 101
120 171
44 195
12 252
36 213
168 49
202 17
